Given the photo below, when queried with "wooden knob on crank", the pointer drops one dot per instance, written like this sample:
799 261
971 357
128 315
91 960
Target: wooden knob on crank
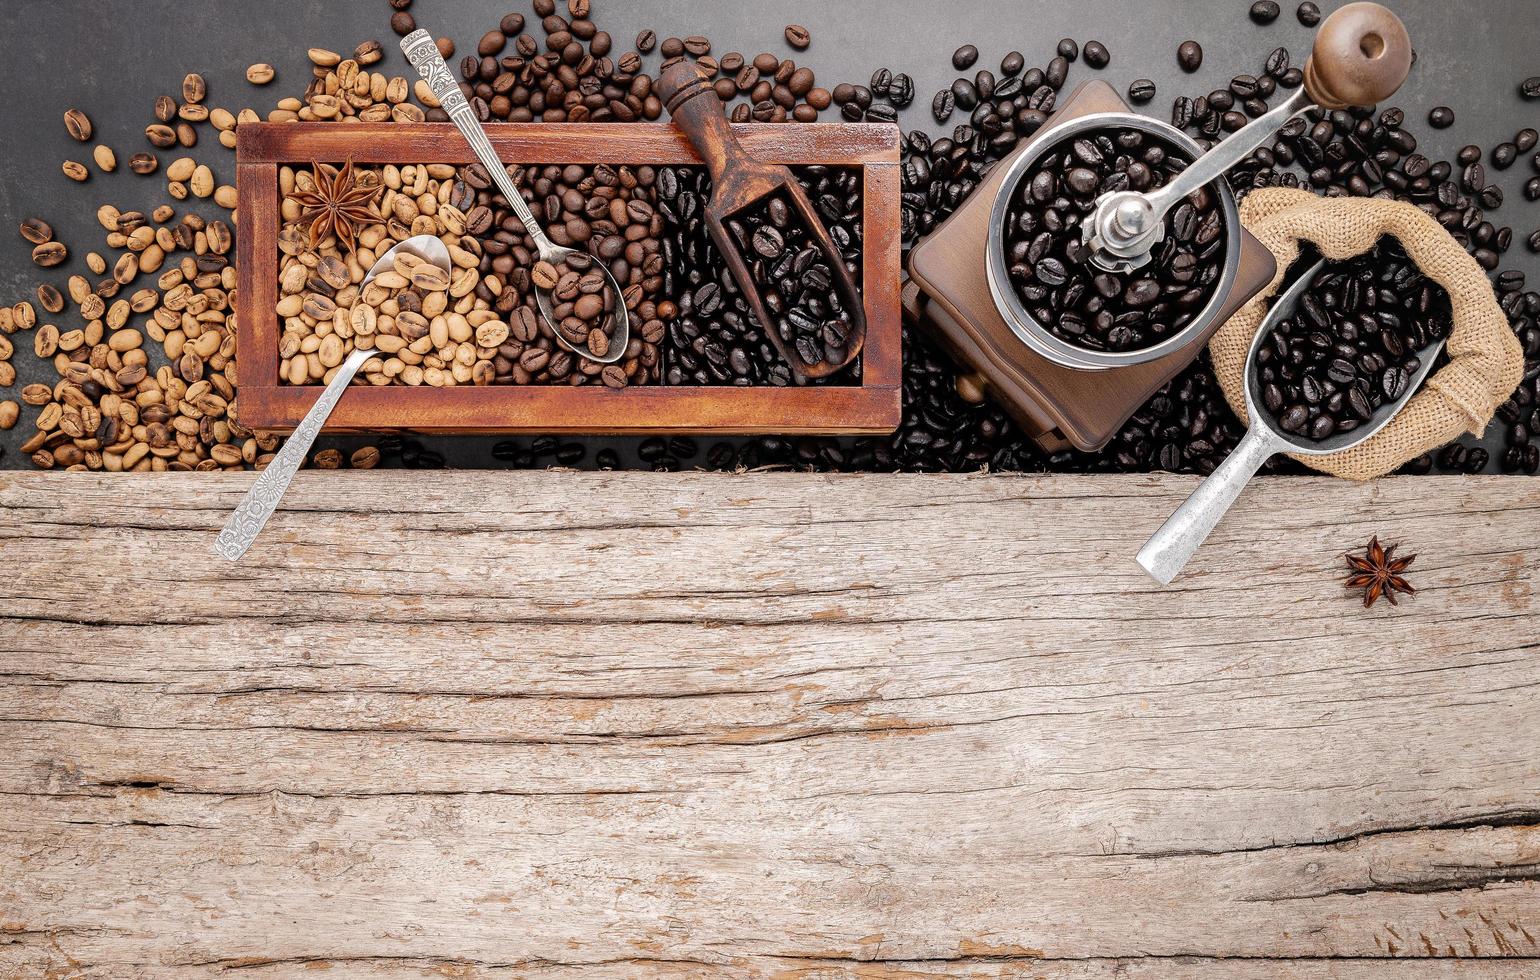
1362 54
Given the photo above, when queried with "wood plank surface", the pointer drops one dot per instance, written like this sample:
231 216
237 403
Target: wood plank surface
519 724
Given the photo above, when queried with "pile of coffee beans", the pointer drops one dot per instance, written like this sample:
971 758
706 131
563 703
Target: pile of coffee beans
608 212
1355 343
1050 264
766 88
568 76
582 304
714 339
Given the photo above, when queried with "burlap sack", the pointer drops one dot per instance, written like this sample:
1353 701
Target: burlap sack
1486 362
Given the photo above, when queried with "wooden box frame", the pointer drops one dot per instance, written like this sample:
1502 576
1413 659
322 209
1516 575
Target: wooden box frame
873 407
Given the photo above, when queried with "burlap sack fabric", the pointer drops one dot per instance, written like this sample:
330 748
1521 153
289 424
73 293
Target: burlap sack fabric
1486 362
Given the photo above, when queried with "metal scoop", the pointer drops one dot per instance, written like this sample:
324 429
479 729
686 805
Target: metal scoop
1361 56
421 50
1167 553
262 499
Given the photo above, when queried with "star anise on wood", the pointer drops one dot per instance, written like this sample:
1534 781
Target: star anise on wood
339 205
1379 573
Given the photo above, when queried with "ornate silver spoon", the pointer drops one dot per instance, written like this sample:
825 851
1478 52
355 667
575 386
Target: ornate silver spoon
264 496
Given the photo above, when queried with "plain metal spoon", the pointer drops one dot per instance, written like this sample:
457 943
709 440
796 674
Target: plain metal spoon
422 51
264 496
1167 553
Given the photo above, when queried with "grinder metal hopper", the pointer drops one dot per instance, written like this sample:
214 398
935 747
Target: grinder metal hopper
1065 396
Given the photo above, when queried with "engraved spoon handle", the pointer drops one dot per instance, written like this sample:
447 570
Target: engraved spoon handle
264 496
421 50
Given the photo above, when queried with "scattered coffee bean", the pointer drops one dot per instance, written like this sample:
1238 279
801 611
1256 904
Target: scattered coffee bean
798 37
76 171
646 41
965 57
143 163
1441 117
1309 14
1264 12
1504 155
1530 87
1068 49
106 160
37 231
1189 55
1141 91
1096 55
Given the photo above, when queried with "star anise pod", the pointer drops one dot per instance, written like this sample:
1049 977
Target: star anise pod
338 205
1379 573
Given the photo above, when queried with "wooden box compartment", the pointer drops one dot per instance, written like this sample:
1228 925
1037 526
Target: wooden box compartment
872 407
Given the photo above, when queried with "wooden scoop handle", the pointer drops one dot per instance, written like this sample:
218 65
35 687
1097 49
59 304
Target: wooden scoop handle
695 107
1362 54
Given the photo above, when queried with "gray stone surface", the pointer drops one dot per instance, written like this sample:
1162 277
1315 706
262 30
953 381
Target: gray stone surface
112 57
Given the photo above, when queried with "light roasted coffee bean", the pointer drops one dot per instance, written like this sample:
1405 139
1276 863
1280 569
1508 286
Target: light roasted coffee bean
76 171
194 89
36 230
143 163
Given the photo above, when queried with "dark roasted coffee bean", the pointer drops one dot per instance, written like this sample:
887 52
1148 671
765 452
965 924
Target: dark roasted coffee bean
1189 55
1096 55
965 57
1530 87
1308 13
1503 155
1141 91
1441 117
1264 12
1068 49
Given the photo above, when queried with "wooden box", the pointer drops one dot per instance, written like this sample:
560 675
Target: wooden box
873 407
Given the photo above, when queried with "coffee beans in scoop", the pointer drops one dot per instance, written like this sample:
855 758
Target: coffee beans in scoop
1354 344
794 278
582 305
1050 266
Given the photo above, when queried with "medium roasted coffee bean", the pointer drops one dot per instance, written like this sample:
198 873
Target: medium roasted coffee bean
1441 117
798 37
50 254
143 163
1189 55
37 231
1141 91
403 23
78 125
1309 13
1096 55
1264 12
697 46
646 41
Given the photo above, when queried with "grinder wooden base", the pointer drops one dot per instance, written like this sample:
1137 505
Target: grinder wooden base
1058 407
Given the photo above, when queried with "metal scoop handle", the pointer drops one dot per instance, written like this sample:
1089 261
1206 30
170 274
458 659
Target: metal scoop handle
1168 552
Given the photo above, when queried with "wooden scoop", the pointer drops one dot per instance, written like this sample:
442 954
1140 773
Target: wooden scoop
738 183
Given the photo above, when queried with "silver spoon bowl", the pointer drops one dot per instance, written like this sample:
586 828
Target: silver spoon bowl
422 51
262 500
1168 552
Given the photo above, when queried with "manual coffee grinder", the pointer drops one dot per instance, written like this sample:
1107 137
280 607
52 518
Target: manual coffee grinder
1065 395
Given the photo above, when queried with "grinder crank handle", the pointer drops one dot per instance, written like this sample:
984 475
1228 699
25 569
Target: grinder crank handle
422 51
1361 57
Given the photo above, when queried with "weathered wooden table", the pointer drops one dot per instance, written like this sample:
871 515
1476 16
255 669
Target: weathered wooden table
483 724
